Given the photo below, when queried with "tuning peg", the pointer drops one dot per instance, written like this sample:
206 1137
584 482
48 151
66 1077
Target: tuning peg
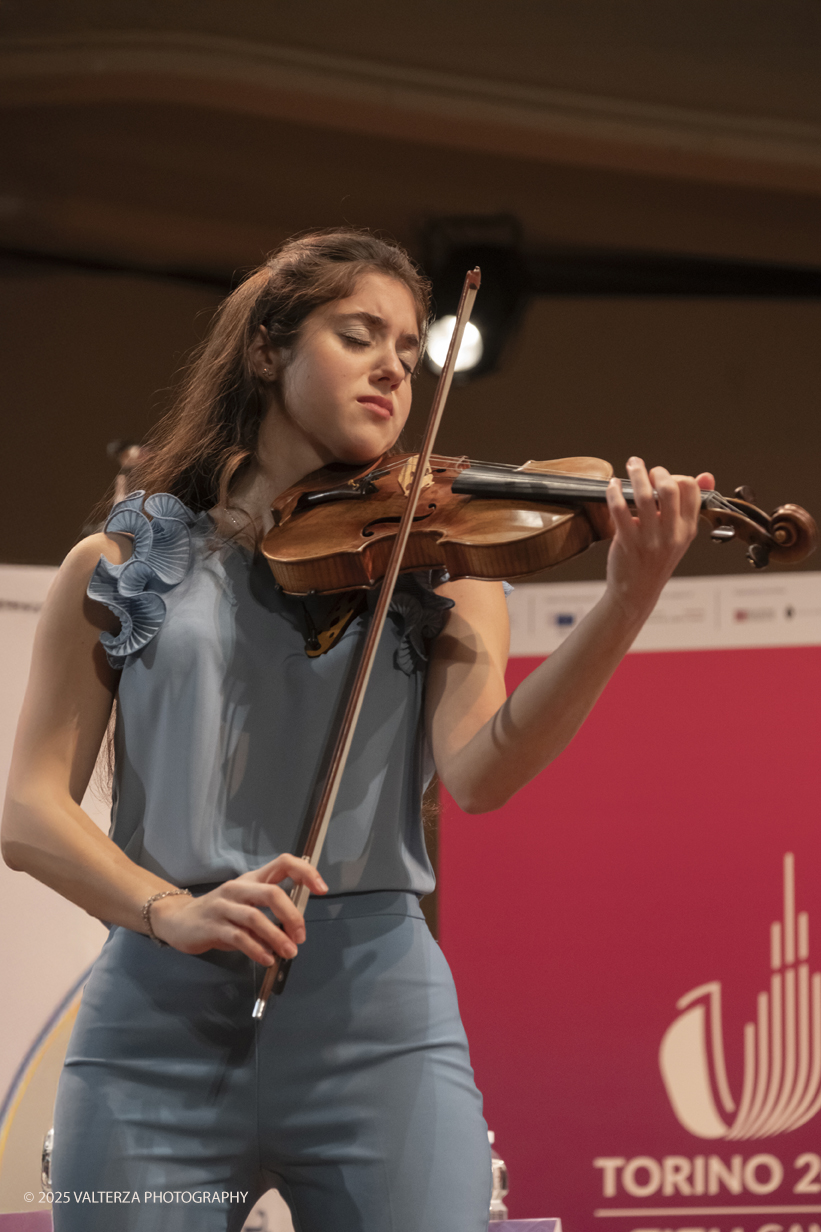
722 534
744 493
758 555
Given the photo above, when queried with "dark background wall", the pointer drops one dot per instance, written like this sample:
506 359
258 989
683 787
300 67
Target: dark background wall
150 151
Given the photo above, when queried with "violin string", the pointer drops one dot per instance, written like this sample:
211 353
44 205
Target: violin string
718 502
510 467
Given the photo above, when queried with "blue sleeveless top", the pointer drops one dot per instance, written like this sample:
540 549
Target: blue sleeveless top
223 720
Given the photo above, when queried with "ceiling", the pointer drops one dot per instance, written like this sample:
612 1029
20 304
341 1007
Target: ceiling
169 137
195 135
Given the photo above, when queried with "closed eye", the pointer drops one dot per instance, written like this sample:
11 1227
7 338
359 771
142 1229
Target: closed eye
355 340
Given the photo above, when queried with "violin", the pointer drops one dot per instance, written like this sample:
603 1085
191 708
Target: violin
333 532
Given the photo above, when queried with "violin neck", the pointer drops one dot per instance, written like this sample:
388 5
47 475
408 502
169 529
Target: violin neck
502 484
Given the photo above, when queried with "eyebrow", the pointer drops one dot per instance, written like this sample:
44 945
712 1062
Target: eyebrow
374 322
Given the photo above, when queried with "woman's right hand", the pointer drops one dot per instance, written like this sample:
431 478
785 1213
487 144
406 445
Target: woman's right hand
231 917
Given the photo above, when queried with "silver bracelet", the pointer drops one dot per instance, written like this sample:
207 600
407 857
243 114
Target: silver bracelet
155 898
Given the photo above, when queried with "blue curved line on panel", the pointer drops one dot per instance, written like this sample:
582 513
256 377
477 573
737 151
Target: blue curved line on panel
38 1042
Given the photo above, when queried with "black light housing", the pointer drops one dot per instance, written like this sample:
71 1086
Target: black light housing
452 246
511 274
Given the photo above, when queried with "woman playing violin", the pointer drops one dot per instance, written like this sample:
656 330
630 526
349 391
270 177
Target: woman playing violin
355 1093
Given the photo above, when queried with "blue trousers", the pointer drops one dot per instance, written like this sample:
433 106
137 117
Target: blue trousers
354 1095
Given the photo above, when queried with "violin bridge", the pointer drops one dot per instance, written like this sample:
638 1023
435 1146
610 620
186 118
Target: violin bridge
406 474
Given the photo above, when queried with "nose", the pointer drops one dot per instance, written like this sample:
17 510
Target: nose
389 369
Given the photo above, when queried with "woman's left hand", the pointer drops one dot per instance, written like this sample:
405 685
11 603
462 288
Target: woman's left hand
648 542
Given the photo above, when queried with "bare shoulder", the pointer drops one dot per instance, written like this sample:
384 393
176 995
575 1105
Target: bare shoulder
67 602
83 557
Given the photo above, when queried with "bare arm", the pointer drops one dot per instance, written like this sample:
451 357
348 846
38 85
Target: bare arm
486 746
45 831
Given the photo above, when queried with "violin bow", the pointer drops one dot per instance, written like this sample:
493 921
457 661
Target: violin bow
277 973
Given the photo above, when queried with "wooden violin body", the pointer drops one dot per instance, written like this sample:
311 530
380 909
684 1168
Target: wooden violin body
334 531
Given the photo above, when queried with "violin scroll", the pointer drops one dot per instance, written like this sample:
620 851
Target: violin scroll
795 533
786 536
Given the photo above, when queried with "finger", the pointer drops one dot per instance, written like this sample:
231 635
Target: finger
288 915
261 930
706 481
623 519
668 496
233 938
298 869
256 894
643 495
689 497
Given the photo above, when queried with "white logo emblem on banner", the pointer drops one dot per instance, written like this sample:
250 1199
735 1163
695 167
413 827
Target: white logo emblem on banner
781 1088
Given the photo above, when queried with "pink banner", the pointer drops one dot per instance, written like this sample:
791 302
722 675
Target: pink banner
635 940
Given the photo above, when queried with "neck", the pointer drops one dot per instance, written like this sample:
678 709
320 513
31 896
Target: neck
284 455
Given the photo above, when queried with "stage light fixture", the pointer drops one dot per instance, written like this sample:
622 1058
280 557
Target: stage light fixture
439 336
452 246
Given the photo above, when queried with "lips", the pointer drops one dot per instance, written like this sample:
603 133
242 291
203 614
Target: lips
383 407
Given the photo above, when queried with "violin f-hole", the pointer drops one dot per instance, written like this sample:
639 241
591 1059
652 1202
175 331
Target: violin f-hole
369 530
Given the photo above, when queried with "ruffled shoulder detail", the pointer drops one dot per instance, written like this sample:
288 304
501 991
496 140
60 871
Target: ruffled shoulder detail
420 615
134 590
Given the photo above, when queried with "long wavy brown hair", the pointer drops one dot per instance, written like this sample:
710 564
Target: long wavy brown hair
202 445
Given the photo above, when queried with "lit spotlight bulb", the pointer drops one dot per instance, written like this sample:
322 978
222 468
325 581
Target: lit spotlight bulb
439 336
